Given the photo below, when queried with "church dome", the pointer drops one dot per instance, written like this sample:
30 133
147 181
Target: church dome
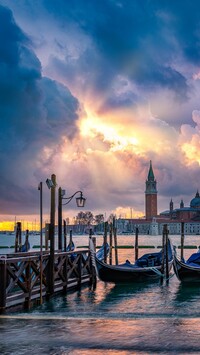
195 202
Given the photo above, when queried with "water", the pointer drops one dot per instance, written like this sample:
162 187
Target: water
112 319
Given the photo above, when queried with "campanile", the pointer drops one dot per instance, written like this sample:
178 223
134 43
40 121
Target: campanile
151 195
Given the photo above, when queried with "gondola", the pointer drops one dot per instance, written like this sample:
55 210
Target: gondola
189 270
146 268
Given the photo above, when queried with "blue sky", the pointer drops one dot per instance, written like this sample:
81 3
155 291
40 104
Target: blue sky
94 90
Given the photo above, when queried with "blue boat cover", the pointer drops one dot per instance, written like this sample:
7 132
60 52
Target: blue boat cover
100 252
194 259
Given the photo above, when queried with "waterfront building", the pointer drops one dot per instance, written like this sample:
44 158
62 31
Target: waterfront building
150 195
153 223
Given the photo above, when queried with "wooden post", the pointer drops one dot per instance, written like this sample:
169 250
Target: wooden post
94 242
166 256
26 240
47 228
18 237
27 303
70 237
60 246
136 243
105 241
65 235
79 270
115 245
182 240
110 242
163 255
2 283
52 236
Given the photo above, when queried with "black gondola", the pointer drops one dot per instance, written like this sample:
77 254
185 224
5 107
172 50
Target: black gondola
146 268
188 271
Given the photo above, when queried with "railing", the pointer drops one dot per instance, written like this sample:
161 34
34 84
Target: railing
22 281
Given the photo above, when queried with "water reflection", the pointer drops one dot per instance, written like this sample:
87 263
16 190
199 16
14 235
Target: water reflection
188 292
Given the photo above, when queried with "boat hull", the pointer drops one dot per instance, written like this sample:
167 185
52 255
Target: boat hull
117 274
186 273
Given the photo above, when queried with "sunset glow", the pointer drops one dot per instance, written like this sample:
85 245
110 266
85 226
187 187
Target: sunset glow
94 106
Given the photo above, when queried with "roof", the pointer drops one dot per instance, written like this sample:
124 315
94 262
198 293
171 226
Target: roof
151 174
195 202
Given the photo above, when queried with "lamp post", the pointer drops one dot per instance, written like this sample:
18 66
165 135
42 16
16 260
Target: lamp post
41 242
51 183
80 201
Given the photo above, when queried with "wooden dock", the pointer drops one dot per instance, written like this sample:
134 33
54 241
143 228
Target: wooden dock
26 278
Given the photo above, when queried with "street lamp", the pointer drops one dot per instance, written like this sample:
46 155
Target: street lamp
80 201
51 183
41 271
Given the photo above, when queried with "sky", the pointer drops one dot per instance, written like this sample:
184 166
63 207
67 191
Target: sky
92 91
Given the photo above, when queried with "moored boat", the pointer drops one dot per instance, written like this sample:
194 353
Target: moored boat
146 268
189 270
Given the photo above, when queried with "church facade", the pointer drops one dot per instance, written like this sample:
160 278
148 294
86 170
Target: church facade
153 223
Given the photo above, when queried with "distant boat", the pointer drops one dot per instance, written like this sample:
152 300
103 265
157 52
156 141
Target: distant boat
188 271
25 247
146 268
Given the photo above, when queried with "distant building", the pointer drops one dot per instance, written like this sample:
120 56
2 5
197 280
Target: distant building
150 195
153 223
190 213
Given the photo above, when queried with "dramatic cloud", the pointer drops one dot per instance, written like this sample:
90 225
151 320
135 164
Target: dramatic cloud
92 90
35 114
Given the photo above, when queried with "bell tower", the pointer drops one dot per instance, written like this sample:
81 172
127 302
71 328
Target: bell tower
151 195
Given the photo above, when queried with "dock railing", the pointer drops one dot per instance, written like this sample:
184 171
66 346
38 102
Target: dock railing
20 276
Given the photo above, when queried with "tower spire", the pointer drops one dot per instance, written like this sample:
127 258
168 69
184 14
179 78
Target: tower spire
151 194
151 174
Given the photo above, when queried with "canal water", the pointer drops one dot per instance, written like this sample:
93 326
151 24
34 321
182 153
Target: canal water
111 319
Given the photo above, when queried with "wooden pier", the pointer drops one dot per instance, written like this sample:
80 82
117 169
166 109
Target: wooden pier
26 278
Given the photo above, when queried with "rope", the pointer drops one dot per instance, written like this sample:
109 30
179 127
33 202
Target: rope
157 271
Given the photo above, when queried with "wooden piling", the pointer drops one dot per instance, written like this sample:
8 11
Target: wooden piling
70 237
163 256
47 227
166 256
136 243
164 267
3 284
115 244
105 241
65 234
18 238
110 242
182 240
27 303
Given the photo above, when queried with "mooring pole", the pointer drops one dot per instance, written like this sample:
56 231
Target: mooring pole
163 255
65 234
182 240
105 241
70 237
20 236
115 243
136 243
110 242
17 238
167 256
